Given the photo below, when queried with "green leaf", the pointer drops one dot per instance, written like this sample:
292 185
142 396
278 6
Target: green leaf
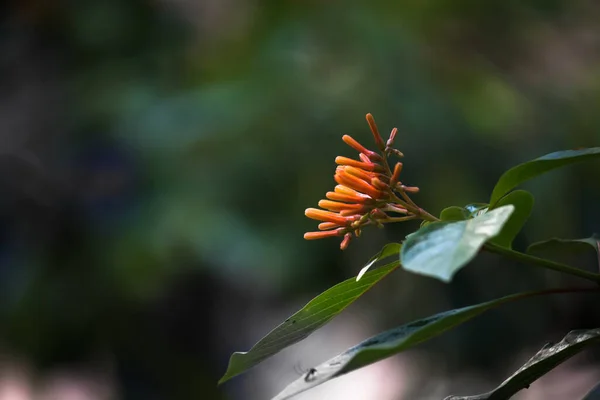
475 208
440 249
454 213
391 342
523 172
311 317
543 361
523 202
388 250
555 246
593 394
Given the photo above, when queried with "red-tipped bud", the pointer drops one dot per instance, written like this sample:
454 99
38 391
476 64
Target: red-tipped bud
396 174
323 234
375 131
336 206
357 184
324 226
348 198
325 216
368 166
346 242
390 141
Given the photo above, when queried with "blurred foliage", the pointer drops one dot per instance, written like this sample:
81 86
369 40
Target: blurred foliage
153 144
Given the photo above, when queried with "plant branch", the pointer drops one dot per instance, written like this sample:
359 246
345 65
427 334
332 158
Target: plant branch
542 262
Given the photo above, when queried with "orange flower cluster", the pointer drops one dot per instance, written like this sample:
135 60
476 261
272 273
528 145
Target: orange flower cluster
365 193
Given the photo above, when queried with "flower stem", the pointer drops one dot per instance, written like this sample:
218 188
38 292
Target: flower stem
542 262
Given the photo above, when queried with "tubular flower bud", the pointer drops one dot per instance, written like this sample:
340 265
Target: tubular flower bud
337 206
366 191
324 226
357 184
411 189
355 145
359 173
379 184
346 242
348 198
368 166
396 175
323 234
375 131
390 141
325 216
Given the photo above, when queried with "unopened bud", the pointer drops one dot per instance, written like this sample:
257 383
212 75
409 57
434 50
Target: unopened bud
410 189
346 242
324 226
375 131
323 234
390 142
379 184
396 174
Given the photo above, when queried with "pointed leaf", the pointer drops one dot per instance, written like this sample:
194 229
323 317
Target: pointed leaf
545 360
563 246
440 249
523 172
391 342
523 202
390 249
454 213
311 317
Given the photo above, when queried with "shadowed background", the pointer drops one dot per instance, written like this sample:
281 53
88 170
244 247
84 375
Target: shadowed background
156 158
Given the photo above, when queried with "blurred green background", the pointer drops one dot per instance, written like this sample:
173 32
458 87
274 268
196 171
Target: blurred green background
157 158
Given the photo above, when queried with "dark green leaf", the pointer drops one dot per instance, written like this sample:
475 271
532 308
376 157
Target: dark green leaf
593 394
454 213
523 202
555 246
440 249
311 317
523 172
390 249
545 360
389 343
